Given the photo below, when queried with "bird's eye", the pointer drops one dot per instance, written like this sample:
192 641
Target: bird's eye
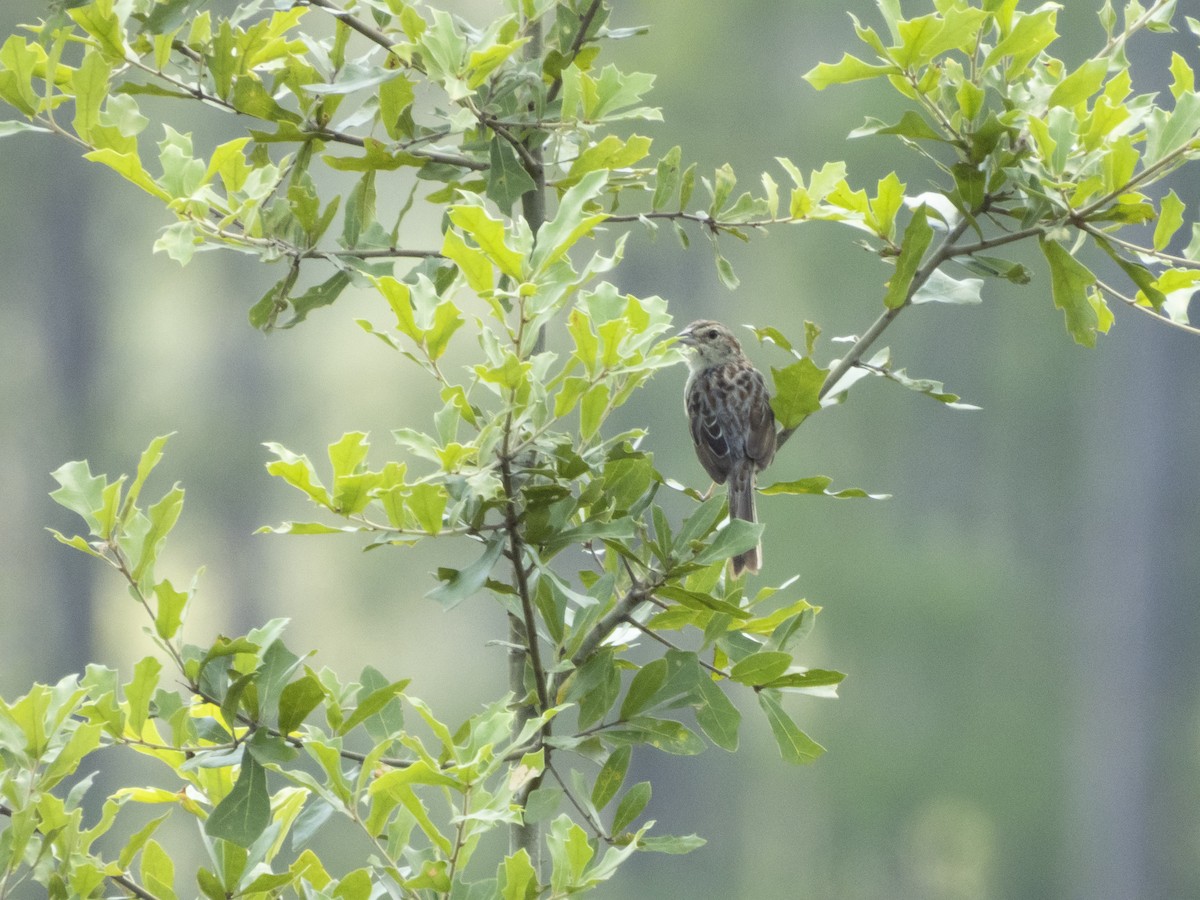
712 334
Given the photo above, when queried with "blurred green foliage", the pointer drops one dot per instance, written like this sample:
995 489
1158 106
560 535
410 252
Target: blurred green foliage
944 803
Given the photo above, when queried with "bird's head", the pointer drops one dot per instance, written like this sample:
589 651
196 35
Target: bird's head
711 344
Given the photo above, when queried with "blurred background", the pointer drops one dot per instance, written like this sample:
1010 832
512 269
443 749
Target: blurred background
1018 623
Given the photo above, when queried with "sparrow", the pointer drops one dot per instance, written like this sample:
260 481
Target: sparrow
732 423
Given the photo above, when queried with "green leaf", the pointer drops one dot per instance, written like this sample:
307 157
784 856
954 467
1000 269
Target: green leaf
1167 132
736 537
911 125
1148 285
90 83
169 607
251 98
1069 283
1183 79
717 716
570 852
10 126
759 668
666 178
79 491
592 408
794 745
318 295
395 96
847 69
1080 84
100 21
1170 219
519 881
133 845
64 760
427 502
700 600
1032 33
18 61
570 222
917 237
612 775
797 391
158 871
459 584
297 700
488 234
997 268
246 810
672 844
725 273
819 485
139 691
631 806
644 688
813 681
941 288
129 166
373 704
662 734
507 180
476 268
297 471
163 515
609 153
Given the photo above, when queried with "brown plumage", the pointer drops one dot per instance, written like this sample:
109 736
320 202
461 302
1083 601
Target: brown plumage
733 427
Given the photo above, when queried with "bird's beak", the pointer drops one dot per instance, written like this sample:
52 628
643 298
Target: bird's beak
686 338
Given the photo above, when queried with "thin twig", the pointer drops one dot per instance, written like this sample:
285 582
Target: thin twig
597 828
1146 310
1168 258
124 881
369 32
585 22
654 635
516 550
946 250
1130 30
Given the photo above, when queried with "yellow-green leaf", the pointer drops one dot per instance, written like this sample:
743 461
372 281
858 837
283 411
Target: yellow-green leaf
489 234
1170 219
848 68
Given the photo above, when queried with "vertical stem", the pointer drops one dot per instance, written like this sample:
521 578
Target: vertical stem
527 836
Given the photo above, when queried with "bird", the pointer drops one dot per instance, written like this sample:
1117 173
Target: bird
731 420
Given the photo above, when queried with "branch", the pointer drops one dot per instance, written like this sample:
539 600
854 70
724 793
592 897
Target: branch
585 23
132 886
1129 31
524 835
369 32
1146 310
530 157
597 827
621 611
1170 259
654 635
124 881
945 251
516 550
377 253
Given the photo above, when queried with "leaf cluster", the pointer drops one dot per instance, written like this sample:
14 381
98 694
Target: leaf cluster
627 634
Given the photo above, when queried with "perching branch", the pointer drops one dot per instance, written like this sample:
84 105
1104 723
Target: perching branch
945 251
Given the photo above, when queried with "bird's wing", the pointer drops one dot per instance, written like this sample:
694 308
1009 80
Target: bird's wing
760 437
712 446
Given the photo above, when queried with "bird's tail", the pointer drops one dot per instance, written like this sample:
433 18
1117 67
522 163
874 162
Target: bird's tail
741 506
